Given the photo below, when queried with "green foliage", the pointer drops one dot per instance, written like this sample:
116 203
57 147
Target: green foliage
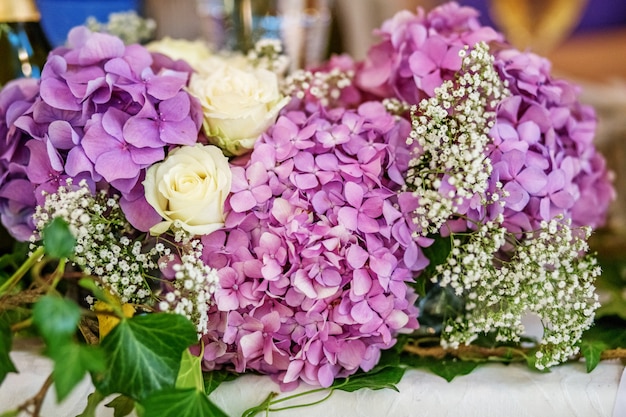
72 361
608 333
58 240
121 405
592 351
376 379
180 403
213 379
144 354
190 373
447 368
380 377
6 340
57 320
93 400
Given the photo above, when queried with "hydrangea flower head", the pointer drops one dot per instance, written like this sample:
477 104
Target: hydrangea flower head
101 113
315 285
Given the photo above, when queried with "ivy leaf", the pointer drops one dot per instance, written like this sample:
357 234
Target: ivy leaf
190 373
181 403
144 354
385 377
57 320
121 405
71 362
591 351
609 330
6 341
447 368
213 379
57 239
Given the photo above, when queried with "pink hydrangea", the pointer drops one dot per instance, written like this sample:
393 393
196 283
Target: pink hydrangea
312 260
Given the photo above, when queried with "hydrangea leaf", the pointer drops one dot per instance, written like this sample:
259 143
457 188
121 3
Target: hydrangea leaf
385 377
6 339
71 363
144 354
181 403
58 240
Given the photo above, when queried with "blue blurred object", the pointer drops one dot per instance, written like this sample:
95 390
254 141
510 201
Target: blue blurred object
599 14
59 16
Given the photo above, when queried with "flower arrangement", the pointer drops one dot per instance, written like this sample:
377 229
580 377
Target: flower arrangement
299 225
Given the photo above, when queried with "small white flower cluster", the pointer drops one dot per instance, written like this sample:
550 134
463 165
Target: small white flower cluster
396 106
106 249
128 26
268 54
449 165
324 86
544 273
190 294
103 248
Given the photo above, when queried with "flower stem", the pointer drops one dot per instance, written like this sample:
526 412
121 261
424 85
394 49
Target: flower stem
22 270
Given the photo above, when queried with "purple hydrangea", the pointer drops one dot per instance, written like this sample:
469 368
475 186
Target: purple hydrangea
313 258
100 112
542 145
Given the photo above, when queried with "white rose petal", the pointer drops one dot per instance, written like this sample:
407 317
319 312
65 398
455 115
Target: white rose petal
239 104
190 186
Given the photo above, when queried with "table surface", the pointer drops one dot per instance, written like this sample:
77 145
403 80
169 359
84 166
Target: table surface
491 390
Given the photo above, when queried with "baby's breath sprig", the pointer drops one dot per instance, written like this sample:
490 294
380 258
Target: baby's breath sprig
104 245
449 165
323 86
126 265
544 273
268 54
190 292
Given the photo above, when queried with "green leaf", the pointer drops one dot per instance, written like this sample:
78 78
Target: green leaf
71 363
122 406
609 330
190 373
385 377
56 319
57 239
11 413
181 403
213 379
6 341
448 368
144 354
93 400
592 350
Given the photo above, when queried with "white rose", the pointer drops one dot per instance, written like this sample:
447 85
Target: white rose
194 52
190 186
239 104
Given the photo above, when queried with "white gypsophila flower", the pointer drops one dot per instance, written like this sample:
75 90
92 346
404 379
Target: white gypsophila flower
103 247
544 274
190 293
326 87
449 165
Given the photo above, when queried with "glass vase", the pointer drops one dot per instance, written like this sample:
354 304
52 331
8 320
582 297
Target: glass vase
303 26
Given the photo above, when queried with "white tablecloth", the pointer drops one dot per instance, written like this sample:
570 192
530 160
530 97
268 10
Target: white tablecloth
493 390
